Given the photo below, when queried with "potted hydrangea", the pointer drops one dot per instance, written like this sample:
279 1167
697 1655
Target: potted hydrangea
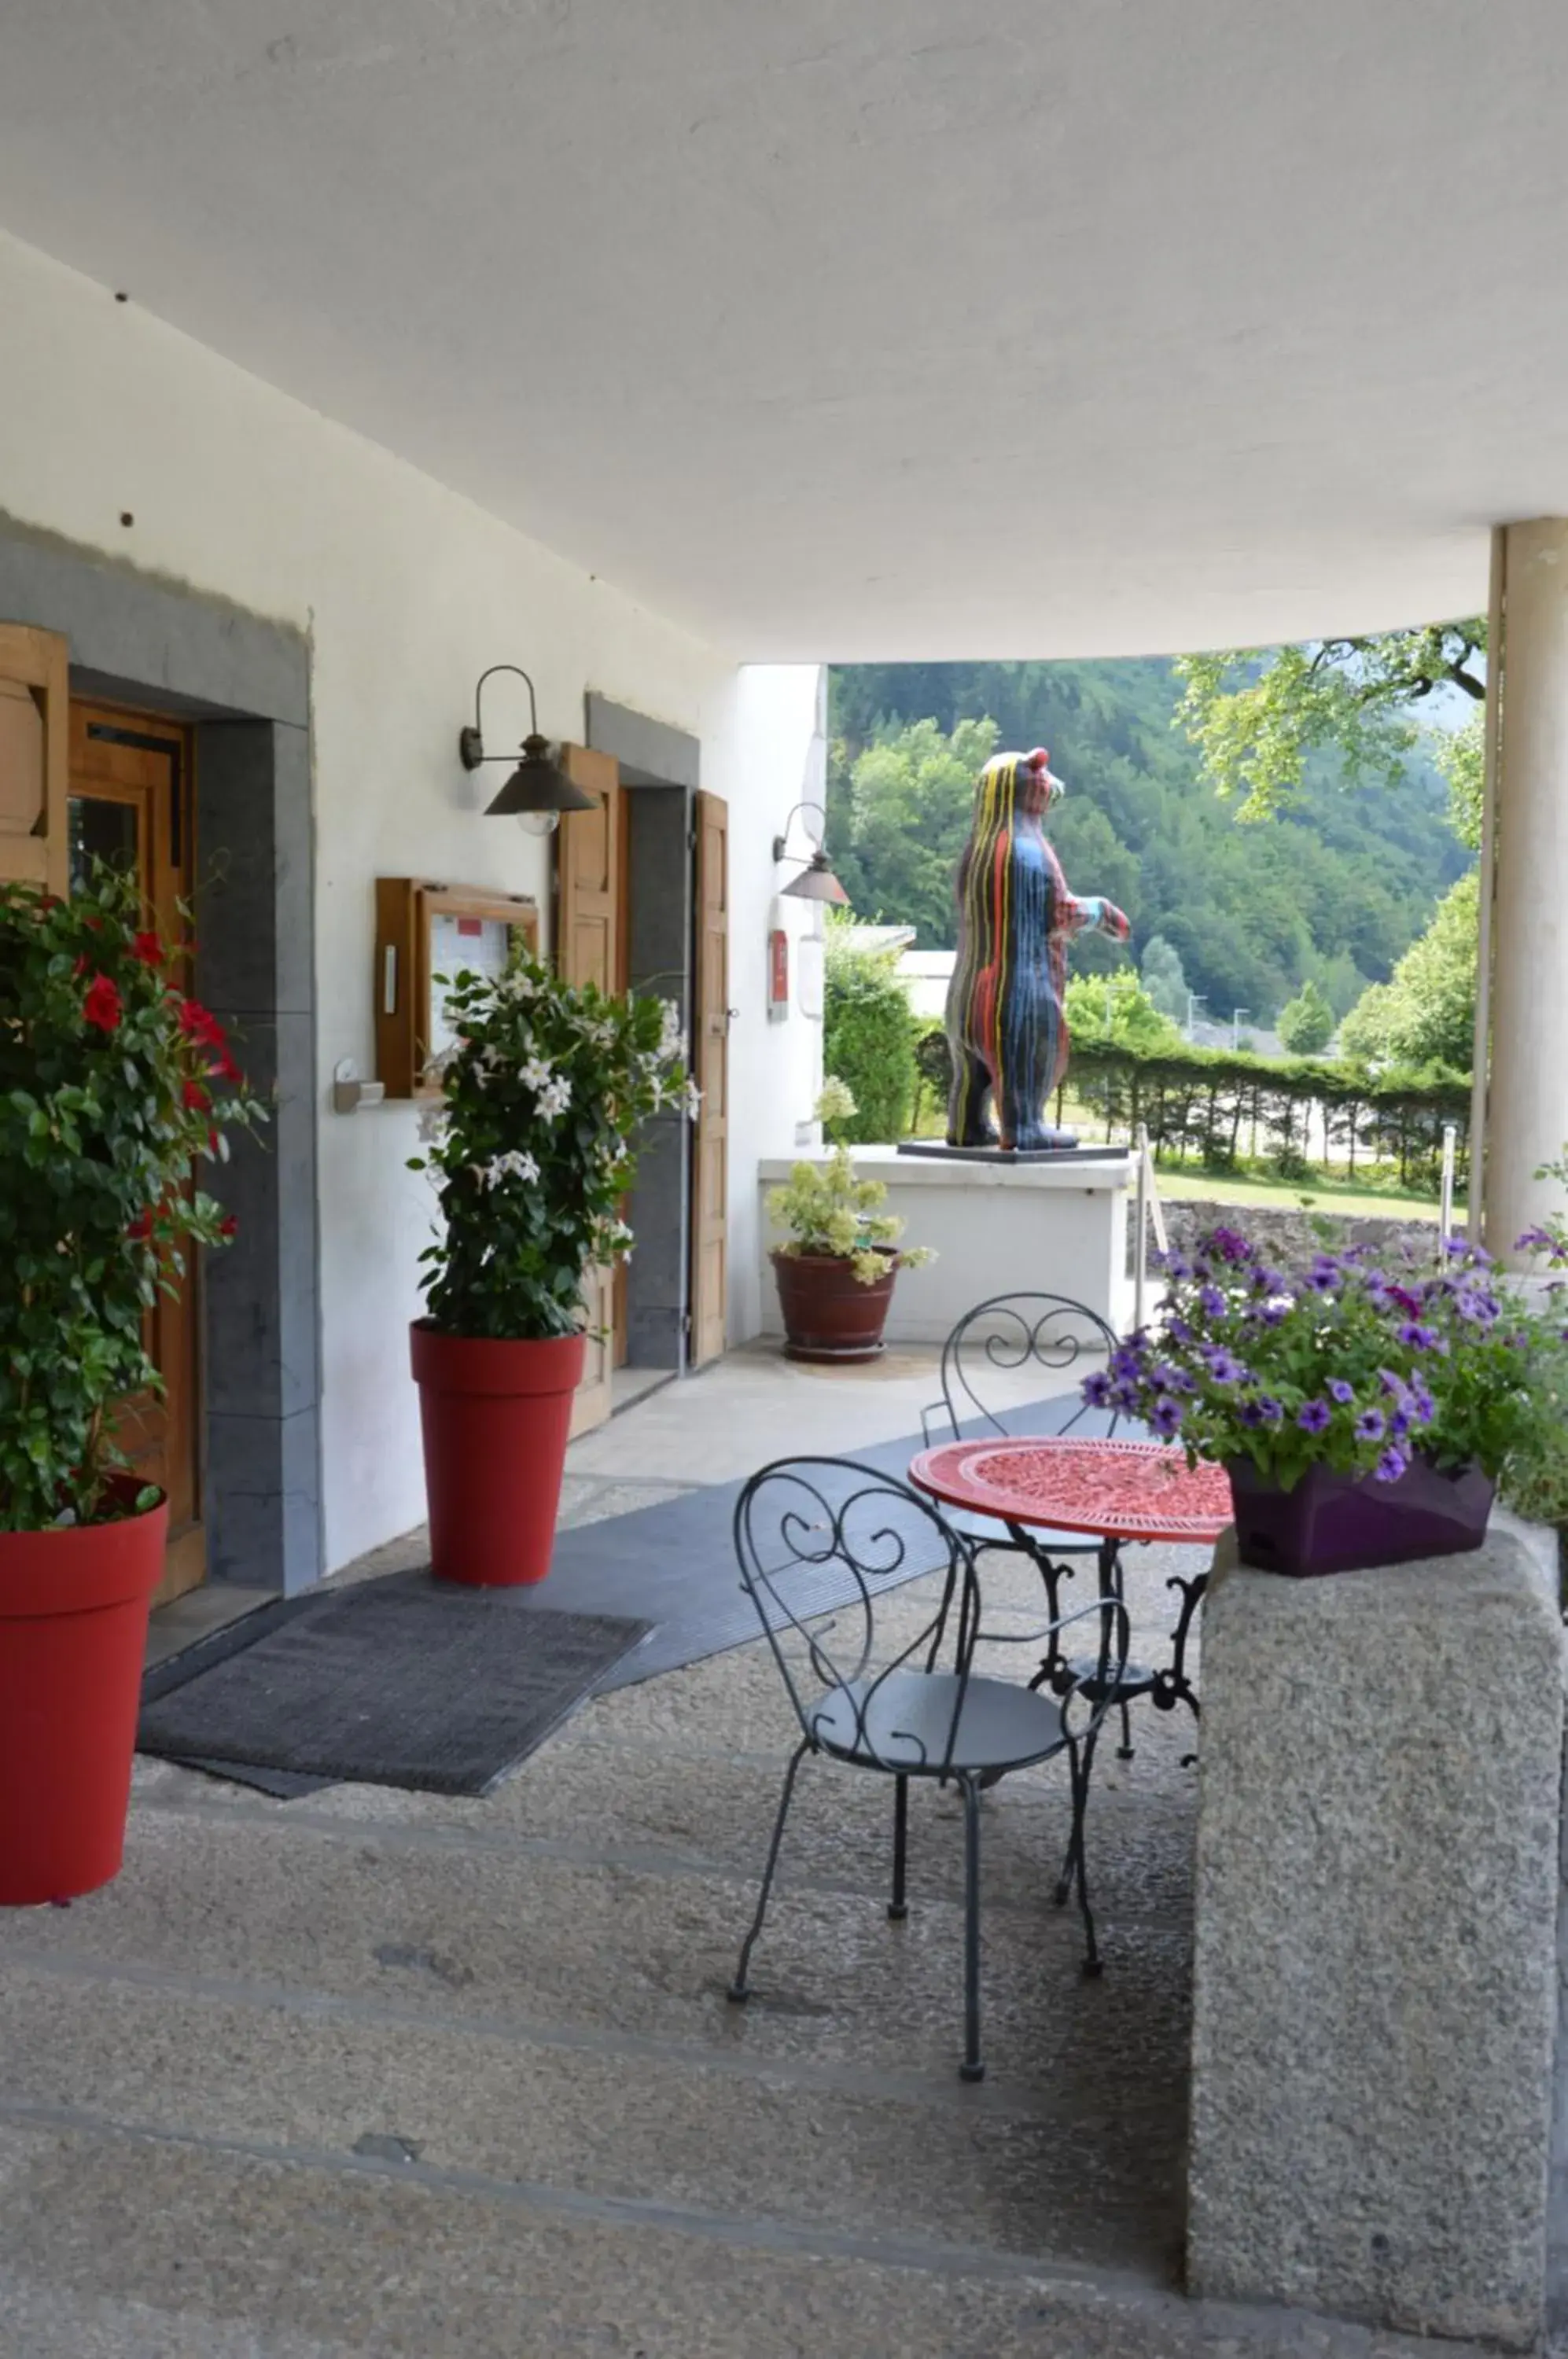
115 1087
835 1272
1363 1413
532 1152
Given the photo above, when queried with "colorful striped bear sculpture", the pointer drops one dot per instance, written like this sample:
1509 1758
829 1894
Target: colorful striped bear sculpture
1015 918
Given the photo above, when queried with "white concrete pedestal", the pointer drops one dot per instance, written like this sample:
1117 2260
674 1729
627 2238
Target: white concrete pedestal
1050 1228
1376 1960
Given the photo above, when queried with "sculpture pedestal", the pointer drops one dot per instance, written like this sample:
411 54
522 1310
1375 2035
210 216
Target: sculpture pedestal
1053 1223
1375 1951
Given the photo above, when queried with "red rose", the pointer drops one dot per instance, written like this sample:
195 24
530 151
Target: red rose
225 1068
228 1226
141 1227
196 1097
101 1004
148 948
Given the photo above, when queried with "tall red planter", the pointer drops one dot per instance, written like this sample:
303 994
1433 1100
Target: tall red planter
74 1620
495 1418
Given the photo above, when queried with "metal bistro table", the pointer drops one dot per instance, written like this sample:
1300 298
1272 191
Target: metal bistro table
1117 1490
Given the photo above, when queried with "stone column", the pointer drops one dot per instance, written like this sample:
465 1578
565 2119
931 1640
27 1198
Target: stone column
1526 1120
1376 1954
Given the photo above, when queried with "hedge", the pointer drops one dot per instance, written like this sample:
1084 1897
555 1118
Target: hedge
1218 1105
868 1042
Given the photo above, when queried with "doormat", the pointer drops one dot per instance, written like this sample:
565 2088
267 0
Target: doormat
401 1682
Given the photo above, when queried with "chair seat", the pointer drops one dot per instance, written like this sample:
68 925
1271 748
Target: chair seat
1135 1679
991 1533
908 1718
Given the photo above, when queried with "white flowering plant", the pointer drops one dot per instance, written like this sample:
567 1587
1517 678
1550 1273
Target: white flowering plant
826 1210
532 1147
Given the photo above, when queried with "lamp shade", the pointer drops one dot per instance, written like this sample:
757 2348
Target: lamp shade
816 882
537 785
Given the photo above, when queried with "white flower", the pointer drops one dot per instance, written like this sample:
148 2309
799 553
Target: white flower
514 1165
518 985
535 1074
694 1100
554 1098
433 1120
672 1031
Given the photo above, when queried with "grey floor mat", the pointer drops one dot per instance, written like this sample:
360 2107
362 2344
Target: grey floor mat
395 1682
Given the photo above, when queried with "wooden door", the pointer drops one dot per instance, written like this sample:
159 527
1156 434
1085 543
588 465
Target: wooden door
129 804
712 1051
589 938
34 754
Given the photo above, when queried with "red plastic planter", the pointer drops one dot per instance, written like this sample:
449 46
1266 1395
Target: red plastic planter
74 1620
1333 1522
827 1313
496 1418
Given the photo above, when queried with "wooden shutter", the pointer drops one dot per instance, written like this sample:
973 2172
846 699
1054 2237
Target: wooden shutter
711 1172
35 756
588 939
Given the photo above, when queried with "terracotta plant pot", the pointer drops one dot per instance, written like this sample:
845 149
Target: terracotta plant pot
494 1418
828 1314
1336 1523
74 1621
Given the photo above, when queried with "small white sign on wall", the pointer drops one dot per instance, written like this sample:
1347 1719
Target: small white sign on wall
808 976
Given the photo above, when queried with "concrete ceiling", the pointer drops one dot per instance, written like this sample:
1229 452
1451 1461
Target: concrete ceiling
896 331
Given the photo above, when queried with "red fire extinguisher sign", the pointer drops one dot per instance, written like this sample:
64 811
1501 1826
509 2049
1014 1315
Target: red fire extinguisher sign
777 974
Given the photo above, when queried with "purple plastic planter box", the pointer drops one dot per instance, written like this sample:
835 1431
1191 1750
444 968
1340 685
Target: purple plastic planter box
1333 1523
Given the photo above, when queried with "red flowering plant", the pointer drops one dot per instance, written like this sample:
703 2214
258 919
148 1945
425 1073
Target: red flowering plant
114 1087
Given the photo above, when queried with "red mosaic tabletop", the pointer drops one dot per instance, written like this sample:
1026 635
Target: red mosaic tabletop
1122 1490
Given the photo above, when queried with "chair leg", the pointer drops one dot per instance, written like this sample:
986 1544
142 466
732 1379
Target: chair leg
972 2068
740 1989
1092 1964
1124 1750
898 1908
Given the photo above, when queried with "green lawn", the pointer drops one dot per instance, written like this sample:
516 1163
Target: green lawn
1326 1195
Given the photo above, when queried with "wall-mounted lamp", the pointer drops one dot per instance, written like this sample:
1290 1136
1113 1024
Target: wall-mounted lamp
537 792
816 881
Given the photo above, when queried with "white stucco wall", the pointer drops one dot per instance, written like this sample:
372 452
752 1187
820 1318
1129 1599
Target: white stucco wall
407 590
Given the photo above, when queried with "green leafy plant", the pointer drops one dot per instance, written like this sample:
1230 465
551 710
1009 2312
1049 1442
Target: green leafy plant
116 1088
532 1147
1305 1023
1345 1364
868 1041
825 1210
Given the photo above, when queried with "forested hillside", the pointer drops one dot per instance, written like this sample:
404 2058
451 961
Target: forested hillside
1332 891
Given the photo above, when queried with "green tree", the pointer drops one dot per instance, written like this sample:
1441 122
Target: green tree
1257 714
1164 980
1425 1013
1306 1023
868 1041
898 829
1114 1007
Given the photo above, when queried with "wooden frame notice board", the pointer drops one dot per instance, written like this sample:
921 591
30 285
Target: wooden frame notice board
421 930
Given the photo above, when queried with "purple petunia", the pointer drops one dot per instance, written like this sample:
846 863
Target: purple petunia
1535 1240
1165 1417
1340 1390
1314 1417
1369 1425
1225 1369
1391 1465
1229 1245
1097 1390
1273 1410
1179 1330
1324 1281
1418 1337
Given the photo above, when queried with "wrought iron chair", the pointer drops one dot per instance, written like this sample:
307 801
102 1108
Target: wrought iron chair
820 1540
996 1339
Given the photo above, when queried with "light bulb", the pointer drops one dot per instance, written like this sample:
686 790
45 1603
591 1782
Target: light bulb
543 822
